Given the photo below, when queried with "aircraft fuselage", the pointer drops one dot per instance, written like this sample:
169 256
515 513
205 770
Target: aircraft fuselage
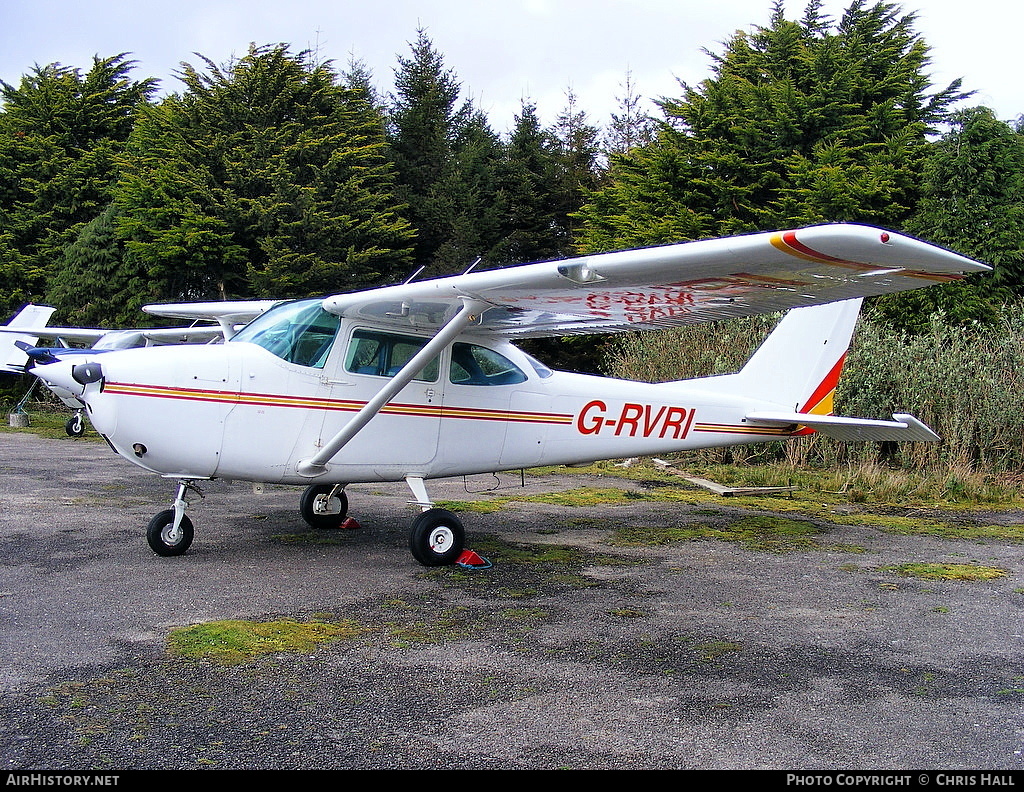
239 411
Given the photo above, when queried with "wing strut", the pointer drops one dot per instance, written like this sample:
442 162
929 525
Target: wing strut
317 464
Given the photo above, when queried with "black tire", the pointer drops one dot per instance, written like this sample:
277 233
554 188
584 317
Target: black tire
161 538
436 538
75 427
315 499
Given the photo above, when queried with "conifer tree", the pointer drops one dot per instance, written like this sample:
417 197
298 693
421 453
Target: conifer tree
61 136
264 178
577 169
528 185
801 122
631 127
473 197
92 287
972 201
425 124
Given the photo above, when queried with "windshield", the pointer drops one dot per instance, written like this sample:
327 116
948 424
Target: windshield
300 332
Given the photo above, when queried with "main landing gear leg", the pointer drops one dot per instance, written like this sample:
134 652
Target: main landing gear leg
170 532
436 536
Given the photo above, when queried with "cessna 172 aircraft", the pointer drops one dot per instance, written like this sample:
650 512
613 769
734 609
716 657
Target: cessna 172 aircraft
421 380
20 336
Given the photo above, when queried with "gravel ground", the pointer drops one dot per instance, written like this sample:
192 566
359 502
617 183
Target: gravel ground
685 655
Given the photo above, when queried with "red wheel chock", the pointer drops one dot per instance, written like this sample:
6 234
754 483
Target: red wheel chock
471 560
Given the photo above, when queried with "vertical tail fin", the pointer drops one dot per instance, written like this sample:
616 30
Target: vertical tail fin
793 377
798 365
31 317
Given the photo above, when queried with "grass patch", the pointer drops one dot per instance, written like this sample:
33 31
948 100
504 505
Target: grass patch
892 501
948 571
449 624
757 532
543 555
48 423
235 641
326 537
526 571
716 649
948 486
925 526
428 623
576 497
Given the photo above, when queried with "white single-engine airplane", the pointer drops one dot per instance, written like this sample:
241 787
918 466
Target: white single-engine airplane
421 380
20 350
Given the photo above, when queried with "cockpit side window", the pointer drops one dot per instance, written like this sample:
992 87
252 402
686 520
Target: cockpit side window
384 355
300 332
477 365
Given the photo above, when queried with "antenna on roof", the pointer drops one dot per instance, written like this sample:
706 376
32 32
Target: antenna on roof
412 277
471 266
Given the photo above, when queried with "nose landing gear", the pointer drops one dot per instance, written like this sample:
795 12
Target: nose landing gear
170 532
75 426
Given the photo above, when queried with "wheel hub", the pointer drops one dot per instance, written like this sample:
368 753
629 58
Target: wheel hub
322 504
171 535
441 539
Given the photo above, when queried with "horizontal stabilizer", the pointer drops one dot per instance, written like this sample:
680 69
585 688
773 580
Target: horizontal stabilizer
903 428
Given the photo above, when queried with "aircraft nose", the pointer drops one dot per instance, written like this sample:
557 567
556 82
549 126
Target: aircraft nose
86 373
72 377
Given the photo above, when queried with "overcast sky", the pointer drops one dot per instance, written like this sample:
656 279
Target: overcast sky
502 52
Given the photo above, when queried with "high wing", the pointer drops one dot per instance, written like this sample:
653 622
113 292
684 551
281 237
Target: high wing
164 335
670 285
228 313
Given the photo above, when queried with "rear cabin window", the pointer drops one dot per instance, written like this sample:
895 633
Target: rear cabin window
477 365
384 355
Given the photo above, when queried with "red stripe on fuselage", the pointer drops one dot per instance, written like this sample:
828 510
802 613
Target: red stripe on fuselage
337 405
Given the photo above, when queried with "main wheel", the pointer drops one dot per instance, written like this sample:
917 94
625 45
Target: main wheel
436 538
164 539
320 510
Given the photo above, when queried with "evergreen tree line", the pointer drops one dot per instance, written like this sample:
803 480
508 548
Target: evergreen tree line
274 176
279 175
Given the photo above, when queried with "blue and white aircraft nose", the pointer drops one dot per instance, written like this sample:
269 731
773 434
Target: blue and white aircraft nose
69 375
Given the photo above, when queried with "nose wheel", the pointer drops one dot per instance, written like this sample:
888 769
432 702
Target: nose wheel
170 532
75 426
167 539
